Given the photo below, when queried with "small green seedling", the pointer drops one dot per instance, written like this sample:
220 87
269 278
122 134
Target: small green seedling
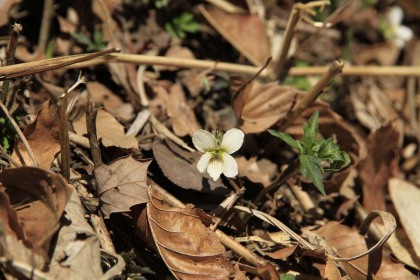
181 25
312 152
97 42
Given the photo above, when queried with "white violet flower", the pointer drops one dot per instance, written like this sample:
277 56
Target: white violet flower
396 32
217 149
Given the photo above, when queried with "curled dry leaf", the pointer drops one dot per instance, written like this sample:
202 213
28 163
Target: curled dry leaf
43 137
77 252
259 106
245 32
348 242
108 129
379 166
39 198
121 185
188 246
171 159
183 117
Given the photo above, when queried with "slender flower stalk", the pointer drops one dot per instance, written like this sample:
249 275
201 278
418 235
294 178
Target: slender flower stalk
217 149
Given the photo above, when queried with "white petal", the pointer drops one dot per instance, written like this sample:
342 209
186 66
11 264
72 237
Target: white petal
395 15
203 162
215 168
203 140
405 33
398 42
232 140
230 166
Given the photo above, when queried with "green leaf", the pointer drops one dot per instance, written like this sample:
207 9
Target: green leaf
284 276
310 130
288 139
311 168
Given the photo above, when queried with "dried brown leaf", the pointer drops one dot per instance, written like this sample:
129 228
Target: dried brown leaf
406 197
39 198
379 165
121 185
77 252
348 242
43 137
188 247
183 117
245 32
112 103
171 159
259 106
108 129
5 7
261 171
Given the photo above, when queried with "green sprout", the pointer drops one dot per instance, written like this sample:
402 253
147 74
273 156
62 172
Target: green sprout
181 25
95 44
314 152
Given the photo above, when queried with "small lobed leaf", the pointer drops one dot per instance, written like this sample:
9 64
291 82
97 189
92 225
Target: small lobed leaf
121 185
310 130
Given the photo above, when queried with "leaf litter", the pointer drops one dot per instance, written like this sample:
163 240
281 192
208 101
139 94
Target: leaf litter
136 206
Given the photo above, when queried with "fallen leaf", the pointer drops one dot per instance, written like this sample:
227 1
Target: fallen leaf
108 129
405 197
380 165
43 138
39 198
347 242
112 103
183 117
259 106
171 159
245 32
188 247
121 185
77 250
261 171
5 7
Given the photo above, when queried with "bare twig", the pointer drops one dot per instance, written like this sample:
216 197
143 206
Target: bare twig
64 128
21 135
93 140
285 175
102 233
44 32
334 69
64 136
29 68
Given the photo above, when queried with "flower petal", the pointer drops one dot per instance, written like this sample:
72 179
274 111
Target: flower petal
404 32
232 140
215 168
203 140
395 16
203 162
230 167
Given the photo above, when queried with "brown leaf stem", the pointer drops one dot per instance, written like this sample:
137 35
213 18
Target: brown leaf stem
335 68
93 140
285 175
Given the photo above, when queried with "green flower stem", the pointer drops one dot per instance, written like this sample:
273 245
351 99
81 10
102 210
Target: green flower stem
291 170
